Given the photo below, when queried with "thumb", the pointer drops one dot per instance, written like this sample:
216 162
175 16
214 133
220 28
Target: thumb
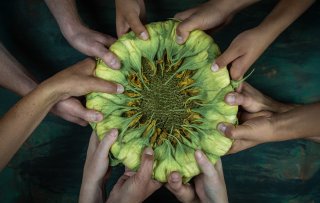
204 164
137 27
106 143
107 56
225 59
145 170
183 192
185 27
232 132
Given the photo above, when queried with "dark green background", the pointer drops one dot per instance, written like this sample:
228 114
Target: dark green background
48 168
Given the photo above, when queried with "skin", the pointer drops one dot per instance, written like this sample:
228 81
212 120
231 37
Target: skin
210 15
266 120
129 14
16 78
75 81
136 186
246 48
96 167
209 186
79 36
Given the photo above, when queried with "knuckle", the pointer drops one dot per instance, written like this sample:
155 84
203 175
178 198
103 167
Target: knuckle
230 132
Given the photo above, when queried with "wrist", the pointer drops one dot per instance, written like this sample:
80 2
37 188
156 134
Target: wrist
91 193
53 92
70 28
281 126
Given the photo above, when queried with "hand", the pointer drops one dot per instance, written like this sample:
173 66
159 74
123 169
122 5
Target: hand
209 185
78 80
243 52
128 16
92 43
136 187
212 14
96 167
73 111
257 119
249 45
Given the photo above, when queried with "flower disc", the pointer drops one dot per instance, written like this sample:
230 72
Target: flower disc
172 101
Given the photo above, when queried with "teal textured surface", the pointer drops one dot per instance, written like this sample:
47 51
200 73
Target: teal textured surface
48 168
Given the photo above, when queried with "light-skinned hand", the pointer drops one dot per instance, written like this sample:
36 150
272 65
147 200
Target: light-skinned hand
73 111
209 186
136 187
96 167
79 80
257 118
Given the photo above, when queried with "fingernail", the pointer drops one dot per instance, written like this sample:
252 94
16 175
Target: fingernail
97 117
114 133
144 36
114 63
120 89
214 67
148 151
222 127
179 39
231 99
174 177
199 154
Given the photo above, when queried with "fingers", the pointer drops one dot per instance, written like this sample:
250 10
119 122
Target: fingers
225 58
185 14
98 49
120 182
93 144
145 170
183 192
238 68
88 115
137 27
121 26
106 143
244 116
240 145
83 114
144 173
236 99
185 27
74 119
204 164
98 85
232 132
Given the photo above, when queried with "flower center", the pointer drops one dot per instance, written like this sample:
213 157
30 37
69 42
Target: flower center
162 99
163 102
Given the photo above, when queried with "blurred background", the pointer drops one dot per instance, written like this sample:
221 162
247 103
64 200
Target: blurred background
48 168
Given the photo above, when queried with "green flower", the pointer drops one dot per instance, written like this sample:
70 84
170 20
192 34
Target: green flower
172 101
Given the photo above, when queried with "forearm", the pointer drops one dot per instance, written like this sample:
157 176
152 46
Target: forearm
285 13
228 7
65 12
13 76
238 5
20 121
90 193
300 122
